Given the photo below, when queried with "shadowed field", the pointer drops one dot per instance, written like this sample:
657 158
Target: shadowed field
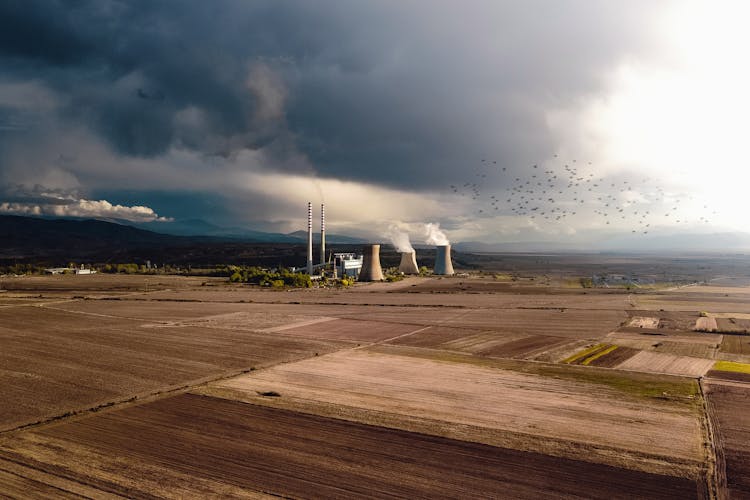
197 440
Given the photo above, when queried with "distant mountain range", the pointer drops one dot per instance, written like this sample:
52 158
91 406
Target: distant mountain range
626 243
30 238
196 241
199 227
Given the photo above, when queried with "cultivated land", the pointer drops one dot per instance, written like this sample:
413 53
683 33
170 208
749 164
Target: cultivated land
484 385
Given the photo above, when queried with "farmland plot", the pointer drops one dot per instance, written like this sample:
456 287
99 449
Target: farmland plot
733 325
653 362
494 406
54 361
644 322
730 405
203 446
570 323
351 329
736 344
706 324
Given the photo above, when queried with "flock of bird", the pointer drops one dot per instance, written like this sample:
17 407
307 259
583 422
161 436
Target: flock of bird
544 194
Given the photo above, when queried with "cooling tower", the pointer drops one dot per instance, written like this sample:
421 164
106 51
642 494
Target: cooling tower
443 264
371 270
408 263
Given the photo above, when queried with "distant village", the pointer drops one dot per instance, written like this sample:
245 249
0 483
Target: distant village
69 270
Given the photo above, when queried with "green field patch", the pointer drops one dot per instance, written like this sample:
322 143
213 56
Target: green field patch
582 354
731 366
598 355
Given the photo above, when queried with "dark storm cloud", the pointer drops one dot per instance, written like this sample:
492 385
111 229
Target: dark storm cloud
406 94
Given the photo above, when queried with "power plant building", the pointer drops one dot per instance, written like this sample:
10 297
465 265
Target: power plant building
347 264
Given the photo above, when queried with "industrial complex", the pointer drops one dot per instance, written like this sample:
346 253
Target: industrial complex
365 266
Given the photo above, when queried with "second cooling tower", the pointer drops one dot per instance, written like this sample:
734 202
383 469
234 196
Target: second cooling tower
443 264
371 270
408 263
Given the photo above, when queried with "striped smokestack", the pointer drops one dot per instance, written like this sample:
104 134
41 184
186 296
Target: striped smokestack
309 239
322 233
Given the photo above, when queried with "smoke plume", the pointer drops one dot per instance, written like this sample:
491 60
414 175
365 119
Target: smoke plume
399 239
434 236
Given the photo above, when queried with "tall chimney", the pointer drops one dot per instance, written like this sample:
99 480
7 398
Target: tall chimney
371 270
443 264
408 263
309 239
322 233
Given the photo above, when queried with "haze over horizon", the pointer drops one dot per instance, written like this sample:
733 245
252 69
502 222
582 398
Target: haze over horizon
567 122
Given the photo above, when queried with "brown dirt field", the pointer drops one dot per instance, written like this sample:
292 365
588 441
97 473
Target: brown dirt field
615 357
482 343
389 294
350 329
52 362
184 313
707 351
570 323
739 325
654 362
439 397
736 376
668 320
16 484
436 336
698 338
559 353
697 302
278 452
100 283
523 347
698 345
731 404
736 344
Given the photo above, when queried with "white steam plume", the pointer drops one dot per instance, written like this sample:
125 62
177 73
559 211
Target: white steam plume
434 236
399 239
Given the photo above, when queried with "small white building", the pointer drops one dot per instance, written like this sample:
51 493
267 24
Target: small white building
58 270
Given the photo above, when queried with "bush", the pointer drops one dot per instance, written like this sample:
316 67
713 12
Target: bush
265 277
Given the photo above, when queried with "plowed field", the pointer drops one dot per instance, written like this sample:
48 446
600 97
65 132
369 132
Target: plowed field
737 325
53 362
570 323
349 329
526 346
730 402
437 397
736 344
653 362
615 358
198 441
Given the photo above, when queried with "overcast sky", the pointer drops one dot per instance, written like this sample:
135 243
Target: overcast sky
239 112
